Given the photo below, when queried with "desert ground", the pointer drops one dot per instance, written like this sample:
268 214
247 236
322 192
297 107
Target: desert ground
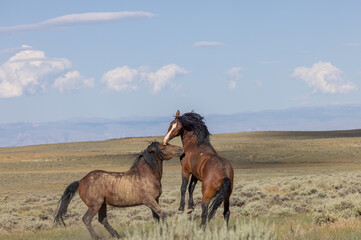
288 185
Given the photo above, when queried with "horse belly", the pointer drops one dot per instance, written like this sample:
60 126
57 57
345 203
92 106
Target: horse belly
123 193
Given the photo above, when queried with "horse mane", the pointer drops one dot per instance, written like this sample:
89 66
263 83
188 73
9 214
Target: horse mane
150 157
194 122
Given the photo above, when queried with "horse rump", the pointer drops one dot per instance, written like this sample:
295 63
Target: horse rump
221 194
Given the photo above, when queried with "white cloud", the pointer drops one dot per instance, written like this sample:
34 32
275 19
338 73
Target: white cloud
208 44
126 78
234 74
72 81
232 84
77 19
163 76
120 79
29 72
324 77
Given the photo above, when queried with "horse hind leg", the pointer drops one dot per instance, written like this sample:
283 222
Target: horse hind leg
87 219
102 218
208 193
205 204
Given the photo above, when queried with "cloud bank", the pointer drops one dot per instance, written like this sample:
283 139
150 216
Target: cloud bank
77 19
324 77
128 79
30 72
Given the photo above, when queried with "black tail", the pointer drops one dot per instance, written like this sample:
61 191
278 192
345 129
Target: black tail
64 202
221 194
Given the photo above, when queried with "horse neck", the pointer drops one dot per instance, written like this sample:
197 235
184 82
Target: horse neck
160 170
143 166
189 140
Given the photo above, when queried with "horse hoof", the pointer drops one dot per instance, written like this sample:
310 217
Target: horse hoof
189 211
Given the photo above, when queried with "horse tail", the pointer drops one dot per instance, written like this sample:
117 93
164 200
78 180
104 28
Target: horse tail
64 202
221 194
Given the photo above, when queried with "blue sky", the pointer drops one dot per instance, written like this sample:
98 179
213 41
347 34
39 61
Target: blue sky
114 59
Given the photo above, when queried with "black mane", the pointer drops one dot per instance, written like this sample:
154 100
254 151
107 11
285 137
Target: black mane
194 122
150 157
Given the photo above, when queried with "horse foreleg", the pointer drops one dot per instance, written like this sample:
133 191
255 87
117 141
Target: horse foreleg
156 210
185 179
155 215
102 218
191 187
87 219
154 206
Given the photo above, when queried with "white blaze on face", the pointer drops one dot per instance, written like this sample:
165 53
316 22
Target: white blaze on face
165 140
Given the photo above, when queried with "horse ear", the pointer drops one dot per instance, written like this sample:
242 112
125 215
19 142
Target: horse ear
177 114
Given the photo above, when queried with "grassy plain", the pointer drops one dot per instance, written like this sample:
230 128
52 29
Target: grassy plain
288 185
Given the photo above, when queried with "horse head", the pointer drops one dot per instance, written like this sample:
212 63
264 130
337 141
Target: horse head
175 129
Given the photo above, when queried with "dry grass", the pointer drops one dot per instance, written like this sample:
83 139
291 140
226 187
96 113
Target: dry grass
287 185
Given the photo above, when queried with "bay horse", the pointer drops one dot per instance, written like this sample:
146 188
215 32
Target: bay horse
141 185
203 162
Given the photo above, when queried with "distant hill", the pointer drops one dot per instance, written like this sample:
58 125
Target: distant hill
295 119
